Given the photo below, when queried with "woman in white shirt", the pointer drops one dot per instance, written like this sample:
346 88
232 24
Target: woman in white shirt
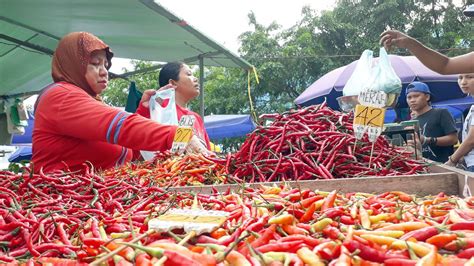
466 150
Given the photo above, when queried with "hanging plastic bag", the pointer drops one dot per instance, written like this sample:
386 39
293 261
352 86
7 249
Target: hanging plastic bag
14 122
163 107
384 77
362 73
163 111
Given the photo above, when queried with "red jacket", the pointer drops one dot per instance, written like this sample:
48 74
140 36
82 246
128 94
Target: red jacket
72 127
199 129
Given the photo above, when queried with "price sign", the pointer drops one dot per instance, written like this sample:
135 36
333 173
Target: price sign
369 116
183 133
373 98
368 119
181 139
187 121
199 221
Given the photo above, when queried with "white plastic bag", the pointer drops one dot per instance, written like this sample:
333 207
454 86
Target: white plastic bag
362 73
166 114
384 77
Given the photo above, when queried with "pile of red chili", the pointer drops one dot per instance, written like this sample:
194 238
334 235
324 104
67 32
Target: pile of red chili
168 169
65 217
316 143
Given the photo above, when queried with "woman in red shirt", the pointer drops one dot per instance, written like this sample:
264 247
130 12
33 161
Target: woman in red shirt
179 76
72 124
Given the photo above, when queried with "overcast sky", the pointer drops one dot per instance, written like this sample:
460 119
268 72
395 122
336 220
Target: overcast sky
223 20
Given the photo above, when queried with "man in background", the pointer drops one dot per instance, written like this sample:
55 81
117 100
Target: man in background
438 133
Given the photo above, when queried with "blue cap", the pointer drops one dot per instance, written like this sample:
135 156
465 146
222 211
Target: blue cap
469 12
418 87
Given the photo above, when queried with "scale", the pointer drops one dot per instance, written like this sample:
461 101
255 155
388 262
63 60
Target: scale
398 133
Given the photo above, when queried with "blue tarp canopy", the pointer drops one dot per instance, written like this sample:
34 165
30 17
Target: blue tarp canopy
228 126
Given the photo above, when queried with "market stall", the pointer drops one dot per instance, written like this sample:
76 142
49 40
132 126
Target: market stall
315 186
407 211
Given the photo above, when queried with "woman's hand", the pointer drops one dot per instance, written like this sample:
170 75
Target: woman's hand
196 146
394 37
145 101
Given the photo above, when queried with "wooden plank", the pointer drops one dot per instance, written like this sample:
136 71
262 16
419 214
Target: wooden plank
465 179
420 185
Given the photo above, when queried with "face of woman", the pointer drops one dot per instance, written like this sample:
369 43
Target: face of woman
466 83
187 84
97 75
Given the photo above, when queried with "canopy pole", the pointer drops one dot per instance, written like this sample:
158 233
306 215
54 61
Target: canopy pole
201 85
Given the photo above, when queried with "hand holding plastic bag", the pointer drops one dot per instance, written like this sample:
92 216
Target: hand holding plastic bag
378 76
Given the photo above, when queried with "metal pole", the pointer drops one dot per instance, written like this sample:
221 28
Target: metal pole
201 85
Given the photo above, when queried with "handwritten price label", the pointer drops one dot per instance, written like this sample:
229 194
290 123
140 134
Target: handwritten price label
199 221
187 121
369 116
373 98
368 119
181 139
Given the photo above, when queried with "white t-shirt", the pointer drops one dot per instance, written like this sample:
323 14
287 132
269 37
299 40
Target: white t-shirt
469 158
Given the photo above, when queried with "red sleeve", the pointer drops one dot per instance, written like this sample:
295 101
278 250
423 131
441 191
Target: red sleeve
83 117
143 111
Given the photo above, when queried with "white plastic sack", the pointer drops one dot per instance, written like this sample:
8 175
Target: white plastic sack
384 77
362 73
166 114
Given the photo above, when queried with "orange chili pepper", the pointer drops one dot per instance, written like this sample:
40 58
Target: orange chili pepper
441 240
218 233
402 196
294 230
329 201
308 215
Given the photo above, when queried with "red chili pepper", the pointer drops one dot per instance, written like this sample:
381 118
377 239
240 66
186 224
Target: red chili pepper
466 254
421 234
366 252
308 240
467 225
348 220
309 201
263 239
279 247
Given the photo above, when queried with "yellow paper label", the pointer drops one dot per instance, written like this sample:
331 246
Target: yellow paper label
183 134
172 217
369 116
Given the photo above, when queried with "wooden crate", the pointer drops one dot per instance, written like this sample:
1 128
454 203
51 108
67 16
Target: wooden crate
440 178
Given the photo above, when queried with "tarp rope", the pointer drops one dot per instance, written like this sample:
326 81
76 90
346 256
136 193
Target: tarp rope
252 109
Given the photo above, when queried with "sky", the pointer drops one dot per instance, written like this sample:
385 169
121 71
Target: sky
223 21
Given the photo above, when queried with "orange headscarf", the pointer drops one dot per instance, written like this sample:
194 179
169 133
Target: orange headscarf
72 56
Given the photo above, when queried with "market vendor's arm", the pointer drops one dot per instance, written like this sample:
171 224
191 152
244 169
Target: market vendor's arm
466 146
81 116
444 141
430 58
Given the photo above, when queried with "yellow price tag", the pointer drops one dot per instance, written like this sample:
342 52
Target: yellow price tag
369 116
183 134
